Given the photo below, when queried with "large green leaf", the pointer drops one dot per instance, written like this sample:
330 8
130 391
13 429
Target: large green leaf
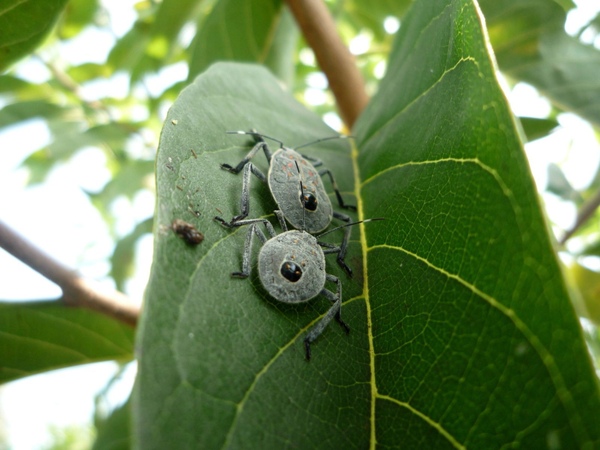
42 336
23 26
210 342
486 349
462 332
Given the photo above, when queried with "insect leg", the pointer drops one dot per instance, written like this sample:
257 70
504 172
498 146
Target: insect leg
316 162
336 190
338 296
281 219
334 311
237 169
265 222
245 273
343 248
245 200
259 138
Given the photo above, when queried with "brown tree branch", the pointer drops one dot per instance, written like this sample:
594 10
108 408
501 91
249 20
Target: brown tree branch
333 57
76 291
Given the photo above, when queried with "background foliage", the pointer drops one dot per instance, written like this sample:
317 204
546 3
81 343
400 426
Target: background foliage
185 38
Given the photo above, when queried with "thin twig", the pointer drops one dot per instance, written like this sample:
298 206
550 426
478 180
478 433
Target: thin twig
335 60
70 85
586 211
76 291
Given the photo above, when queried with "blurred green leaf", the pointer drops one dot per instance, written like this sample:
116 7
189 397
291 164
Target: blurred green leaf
114 433
21 111
593 340
591 250
69 137
369 15
280 59
128 179
587 283
171 16
11 83
244 31
129 51
566 5
78 15
531 45
123 257
592 26
24 25
559 185
153 39
69 437
89 71
535 128
40 336
113 134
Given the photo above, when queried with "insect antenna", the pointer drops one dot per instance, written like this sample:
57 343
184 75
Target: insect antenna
302 197
341 136
349 225
256 133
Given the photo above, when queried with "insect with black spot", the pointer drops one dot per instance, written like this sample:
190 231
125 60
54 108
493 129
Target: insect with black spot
311 209
291 268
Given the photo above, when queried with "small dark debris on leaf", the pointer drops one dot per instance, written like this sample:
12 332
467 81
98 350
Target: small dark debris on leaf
179 187
174 121
193 210
187 232
194 154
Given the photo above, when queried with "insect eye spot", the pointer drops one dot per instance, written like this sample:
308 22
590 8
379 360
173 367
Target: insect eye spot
291 271
310 202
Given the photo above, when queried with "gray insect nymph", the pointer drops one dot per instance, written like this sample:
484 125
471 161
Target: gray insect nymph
310 210
291 268
284 179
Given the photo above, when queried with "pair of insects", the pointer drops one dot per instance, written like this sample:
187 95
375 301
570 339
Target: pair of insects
291 265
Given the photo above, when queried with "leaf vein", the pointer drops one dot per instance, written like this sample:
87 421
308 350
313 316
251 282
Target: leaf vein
425 418
545 356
